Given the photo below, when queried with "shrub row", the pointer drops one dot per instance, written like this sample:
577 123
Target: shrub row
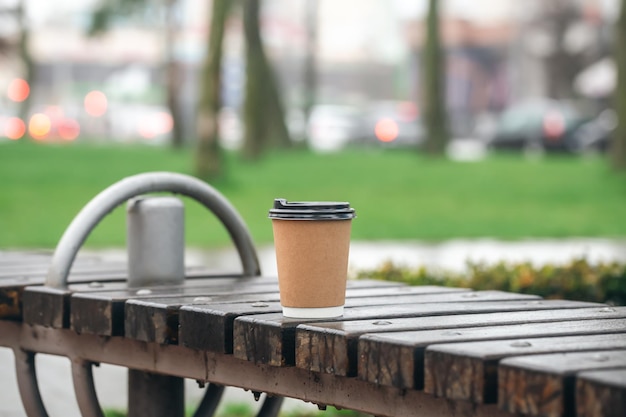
577 280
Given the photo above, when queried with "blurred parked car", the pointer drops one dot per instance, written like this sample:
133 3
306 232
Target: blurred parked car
332 127
595 135
393 123
539 124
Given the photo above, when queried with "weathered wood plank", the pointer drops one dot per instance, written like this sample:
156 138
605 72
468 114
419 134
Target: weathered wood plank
145 318
192 318
468 371
397 359
51 307
96 313
152 320
544 385
388 317
103 312
12 290
31 270
601 393
333 347
211 327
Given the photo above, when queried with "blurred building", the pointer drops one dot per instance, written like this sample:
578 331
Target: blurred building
498 52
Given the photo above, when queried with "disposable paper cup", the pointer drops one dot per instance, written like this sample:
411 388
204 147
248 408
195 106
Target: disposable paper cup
312 241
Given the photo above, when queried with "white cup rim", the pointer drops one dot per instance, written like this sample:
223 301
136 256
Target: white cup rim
312 312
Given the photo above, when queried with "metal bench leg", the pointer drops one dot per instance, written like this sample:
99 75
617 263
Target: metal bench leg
27 383
84 389
90 407
210 401
271 406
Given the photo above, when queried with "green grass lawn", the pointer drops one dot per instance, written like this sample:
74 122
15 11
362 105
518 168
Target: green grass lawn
397 194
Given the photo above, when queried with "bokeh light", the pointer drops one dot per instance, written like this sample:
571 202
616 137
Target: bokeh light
14 128
96 103
156 124
18 90
386 130
554 125
39 126
54 112
69 129
408 111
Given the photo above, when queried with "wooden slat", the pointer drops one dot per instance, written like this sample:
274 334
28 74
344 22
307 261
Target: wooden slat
104 314
37 270
11 290
544 385
601 393
210 327
153 320
468 371
252 333
397 359
51 307
196 317
332 347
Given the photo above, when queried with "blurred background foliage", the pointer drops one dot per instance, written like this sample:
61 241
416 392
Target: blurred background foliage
577 280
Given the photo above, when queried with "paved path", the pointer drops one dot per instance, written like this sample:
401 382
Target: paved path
449 255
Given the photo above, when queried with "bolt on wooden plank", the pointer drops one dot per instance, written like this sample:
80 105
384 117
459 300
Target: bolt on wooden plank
47 306
194 320
469 371
156 320
333 348
252 333
397 358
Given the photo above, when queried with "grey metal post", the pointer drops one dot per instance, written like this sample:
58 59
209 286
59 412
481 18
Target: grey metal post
156 256
155 241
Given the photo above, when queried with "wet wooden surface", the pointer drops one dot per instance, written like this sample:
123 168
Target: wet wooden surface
397 358
469 371
545 385
156 319
601 393
333 348
472 350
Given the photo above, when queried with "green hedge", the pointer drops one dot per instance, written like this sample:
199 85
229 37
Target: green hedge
577 280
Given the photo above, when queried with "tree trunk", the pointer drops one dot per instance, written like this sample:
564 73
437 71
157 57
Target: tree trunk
208 155
310 65
618 144
263 110
173 74
433 63
27 61
562 66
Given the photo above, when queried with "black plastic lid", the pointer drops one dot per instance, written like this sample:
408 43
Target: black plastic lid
311 210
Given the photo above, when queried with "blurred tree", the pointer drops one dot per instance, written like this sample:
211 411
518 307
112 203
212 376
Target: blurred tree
101 21
310 65
618 145
10 44
564 59
208 155
264 114
433 82
26 57
174 73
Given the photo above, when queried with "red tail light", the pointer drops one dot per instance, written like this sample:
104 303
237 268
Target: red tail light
553 125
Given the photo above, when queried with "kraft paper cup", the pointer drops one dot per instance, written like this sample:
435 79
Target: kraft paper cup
312 241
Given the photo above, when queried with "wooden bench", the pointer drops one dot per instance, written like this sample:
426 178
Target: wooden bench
397 351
